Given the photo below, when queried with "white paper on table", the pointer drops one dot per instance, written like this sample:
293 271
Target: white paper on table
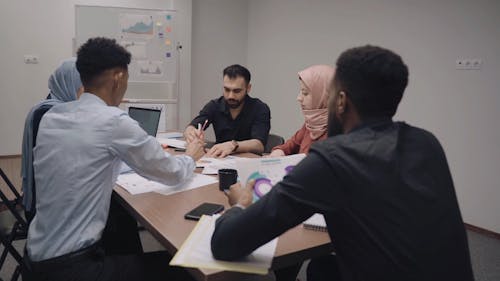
169 135
172 142
266 172
212 165
271 168
136 184
196 252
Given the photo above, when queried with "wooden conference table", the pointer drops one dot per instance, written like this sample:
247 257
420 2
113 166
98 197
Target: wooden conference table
163 217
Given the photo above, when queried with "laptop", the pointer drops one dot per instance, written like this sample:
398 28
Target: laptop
147 118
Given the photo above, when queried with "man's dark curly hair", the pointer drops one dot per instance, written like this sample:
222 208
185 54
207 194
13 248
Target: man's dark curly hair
97 55
236 70
373 78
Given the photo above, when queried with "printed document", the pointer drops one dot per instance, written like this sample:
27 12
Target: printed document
196 252
136 184
211 165
265 171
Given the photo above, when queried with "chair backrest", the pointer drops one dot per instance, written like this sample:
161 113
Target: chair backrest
272 141
12 226
37 117
12 205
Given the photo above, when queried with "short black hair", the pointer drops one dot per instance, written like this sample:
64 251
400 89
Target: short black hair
97 55
236 70
373 78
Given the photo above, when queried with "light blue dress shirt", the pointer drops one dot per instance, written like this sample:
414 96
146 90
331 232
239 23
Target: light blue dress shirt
76 163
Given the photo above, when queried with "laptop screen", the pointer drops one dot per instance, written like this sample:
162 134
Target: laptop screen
147 118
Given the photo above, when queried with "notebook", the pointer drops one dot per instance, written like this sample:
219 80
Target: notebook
147 118
315 222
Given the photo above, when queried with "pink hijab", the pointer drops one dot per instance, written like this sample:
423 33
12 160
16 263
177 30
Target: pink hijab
319 80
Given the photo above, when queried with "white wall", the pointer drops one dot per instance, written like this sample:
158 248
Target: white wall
278 38
219 39
46 29
459 107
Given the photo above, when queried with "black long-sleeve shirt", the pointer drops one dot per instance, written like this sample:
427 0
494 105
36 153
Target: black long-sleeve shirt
388 198
253 122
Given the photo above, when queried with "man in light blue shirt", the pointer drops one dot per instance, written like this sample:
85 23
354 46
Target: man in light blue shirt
80 146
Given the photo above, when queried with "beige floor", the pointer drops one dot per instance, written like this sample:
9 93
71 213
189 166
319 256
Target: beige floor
11 165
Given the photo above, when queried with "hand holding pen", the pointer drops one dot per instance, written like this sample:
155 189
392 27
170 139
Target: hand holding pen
201 130
191 134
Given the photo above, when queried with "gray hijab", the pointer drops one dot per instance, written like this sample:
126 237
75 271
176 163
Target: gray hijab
64 84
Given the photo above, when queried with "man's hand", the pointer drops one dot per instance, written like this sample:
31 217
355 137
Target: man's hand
241 195
191 134
221 150
195 149
276 153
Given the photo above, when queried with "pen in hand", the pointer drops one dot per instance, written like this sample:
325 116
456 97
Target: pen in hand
201 129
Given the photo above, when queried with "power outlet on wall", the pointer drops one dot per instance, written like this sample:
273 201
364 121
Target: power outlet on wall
31 59
468 64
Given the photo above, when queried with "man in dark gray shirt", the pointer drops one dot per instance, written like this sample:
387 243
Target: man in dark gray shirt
384 187
241 123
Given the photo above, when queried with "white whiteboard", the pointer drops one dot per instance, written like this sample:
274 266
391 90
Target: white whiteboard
149 35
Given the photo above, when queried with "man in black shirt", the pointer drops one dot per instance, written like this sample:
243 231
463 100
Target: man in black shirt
384 187
241 123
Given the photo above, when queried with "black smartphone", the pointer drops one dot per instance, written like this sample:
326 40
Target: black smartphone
203 209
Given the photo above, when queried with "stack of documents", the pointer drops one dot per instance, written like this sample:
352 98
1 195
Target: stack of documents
196 252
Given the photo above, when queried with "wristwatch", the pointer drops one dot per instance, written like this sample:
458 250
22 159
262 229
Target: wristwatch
235 145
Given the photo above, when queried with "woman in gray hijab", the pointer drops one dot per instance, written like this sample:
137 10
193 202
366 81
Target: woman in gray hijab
64 86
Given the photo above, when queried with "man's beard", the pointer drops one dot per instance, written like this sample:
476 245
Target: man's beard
334 124
234 103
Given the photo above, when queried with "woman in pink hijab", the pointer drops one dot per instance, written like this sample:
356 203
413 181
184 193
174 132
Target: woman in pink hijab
315 87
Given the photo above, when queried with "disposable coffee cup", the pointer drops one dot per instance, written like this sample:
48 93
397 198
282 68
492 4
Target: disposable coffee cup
227 177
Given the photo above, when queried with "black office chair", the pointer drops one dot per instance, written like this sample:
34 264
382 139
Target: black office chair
37 117
272 141
14 222
13 226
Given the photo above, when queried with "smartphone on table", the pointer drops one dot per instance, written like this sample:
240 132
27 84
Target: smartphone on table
204 209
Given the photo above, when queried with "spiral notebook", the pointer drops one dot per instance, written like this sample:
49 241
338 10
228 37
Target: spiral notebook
315 222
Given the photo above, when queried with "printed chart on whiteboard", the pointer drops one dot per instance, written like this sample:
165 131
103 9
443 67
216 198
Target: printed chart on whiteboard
150 37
